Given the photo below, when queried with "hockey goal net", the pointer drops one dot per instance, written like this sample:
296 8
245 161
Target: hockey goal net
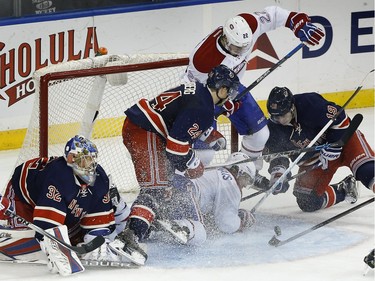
70 95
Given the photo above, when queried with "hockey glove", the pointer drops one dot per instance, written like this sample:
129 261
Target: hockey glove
329 154
214 139
195 167
5 205
231 107
302 27
103 253
247 219
60 259
276 173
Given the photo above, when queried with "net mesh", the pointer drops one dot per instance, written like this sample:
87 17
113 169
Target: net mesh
73 101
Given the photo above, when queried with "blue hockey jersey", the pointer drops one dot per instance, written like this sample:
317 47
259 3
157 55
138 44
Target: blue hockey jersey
179 116
313 112
57 197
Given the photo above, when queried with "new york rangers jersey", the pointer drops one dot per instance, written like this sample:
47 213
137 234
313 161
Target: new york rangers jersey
209 53
55 196
313 112
219 199
178 115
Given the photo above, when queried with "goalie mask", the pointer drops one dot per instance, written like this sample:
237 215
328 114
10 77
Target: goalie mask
237 36
81 154
245 171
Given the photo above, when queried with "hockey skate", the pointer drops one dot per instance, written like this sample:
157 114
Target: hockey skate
179 233
349 186
127 245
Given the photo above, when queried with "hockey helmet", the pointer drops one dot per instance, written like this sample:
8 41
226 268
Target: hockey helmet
246 169
81 154
238 35
222 76
279 102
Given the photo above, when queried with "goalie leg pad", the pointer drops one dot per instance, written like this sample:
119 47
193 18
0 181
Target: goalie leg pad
60 259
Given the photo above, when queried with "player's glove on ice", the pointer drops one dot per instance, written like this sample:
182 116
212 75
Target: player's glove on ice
276 173
247 219
329 154
302 27
195 167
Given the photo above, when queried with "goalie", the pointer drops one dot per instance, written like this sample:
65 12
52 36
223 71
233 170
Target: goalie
67 196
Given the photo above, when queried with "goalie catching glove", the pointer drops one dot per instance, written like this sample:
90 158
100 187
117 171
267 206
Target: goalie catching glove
103 253
60 259
214 139
329 154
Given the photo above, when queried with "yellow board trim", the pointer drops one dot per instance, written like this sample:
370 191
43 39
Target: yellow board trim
13 139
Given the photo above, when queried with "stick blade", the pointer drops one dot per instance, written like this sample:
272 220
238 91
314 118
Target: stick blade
354 124
90 246
274 241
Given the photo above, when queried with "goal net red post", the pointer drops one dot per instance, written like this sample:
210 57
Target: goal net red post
89 97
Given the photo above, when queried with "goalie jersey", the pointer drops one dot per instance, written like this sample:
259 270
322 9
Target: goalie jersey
52 195
313 112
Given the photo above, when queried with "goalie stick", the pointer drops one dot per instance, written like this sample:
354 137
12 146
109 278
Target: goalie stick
82 249
264 75
357 119
276 242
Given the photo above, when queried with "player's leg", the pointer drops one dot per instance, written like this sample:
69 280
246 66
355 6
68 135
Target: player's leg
359 157
152 169
313 190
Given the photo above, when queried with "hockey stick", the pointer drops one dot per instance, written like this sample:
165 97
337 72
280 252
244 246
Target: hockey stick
264 75
271 156
313 167
276 242
83 249
357 119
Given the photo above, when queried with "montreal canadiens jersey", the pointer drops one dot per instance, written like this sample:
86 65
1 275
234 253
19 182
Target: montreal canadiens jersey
219 199
56 196
313 112
209 53
179 115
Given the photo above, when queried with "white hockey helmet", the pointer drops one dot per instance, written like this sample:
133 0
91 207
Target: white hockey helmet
237 35
246 169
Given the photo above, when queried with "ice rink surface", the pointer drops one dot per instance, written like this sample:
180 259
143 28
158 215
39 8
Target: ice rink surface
333 252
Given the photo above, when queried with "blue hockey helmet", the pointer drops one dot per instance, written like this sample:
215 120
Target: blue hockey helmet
280 102
222 76
81 154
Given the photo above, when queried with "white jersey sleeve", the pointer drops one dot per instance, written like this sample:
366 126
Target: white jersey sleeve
220 196
208 53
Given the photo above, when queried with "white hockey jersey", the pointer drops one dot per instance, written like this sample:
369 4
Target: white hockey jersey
219 196
208 53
